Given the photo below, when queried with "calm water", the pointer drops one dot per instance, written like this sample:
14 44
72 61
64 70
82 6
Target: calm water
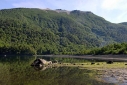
16 70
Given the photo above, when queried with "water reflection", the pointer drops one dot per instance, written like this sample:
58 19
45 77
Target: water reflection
17 68
38 68
42 68
42 64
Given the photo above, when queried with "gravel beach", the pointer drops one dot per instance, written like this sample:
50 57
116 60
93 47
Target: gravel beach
117 76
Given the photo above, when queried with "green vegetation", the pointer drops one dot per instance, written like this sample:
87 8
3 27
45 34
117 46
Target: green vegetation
119 48
64 60
35 31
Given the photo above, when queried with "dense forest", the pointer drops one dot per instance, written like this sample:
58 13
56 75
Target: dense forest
36 31
114 49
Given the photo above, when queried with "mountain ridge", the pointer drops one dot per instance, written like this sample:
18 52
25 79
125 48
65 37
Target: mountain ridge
51 31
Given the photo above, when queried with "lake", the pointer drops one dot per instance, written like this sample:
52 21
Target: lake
16 70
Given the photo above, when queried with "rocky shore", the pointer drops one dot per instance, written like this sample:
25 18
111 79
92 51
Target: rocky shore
116 76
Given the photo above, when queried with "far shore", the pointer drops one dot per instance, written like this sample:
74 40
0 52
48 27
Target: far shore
91 57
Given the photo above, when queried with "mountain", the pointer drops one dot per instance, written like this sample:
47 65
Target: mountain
124 23
45 31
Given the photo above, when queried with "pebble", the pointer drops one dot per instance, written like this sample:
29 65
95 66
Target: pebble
118 74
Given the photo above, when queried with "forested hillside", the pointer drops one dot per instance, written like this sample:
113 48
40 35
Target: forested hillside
36 31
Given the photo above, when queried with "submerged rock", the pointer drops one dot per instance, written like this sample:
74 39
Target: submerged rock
41 62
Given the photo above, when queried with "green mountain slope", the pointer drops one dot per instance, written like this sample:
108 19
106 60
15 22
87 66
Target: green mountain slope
105 31
124 23
55 31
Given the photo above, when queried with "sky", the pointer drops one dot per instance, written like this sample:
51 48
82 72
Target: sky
114 11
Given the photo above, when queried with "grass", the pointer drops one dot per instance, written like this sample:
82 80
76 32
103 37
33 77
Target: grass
96 66
86 64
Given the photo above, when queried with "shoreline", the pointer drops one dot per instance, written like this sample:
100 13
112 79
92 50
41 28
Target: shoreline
119 58
115 73
117 76
111 73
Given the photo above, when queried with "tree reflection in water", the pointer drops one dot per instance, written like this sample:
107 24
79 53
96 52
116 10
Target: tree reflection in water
18 69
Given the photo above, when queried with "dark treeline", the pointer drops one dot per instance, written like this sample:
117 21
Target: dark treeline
17 50
35 31
119 48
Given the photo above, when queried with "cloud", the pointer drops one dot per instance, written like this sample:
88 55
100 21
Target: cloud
29 4
122 16
111 10
114 4
85 5
110 4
